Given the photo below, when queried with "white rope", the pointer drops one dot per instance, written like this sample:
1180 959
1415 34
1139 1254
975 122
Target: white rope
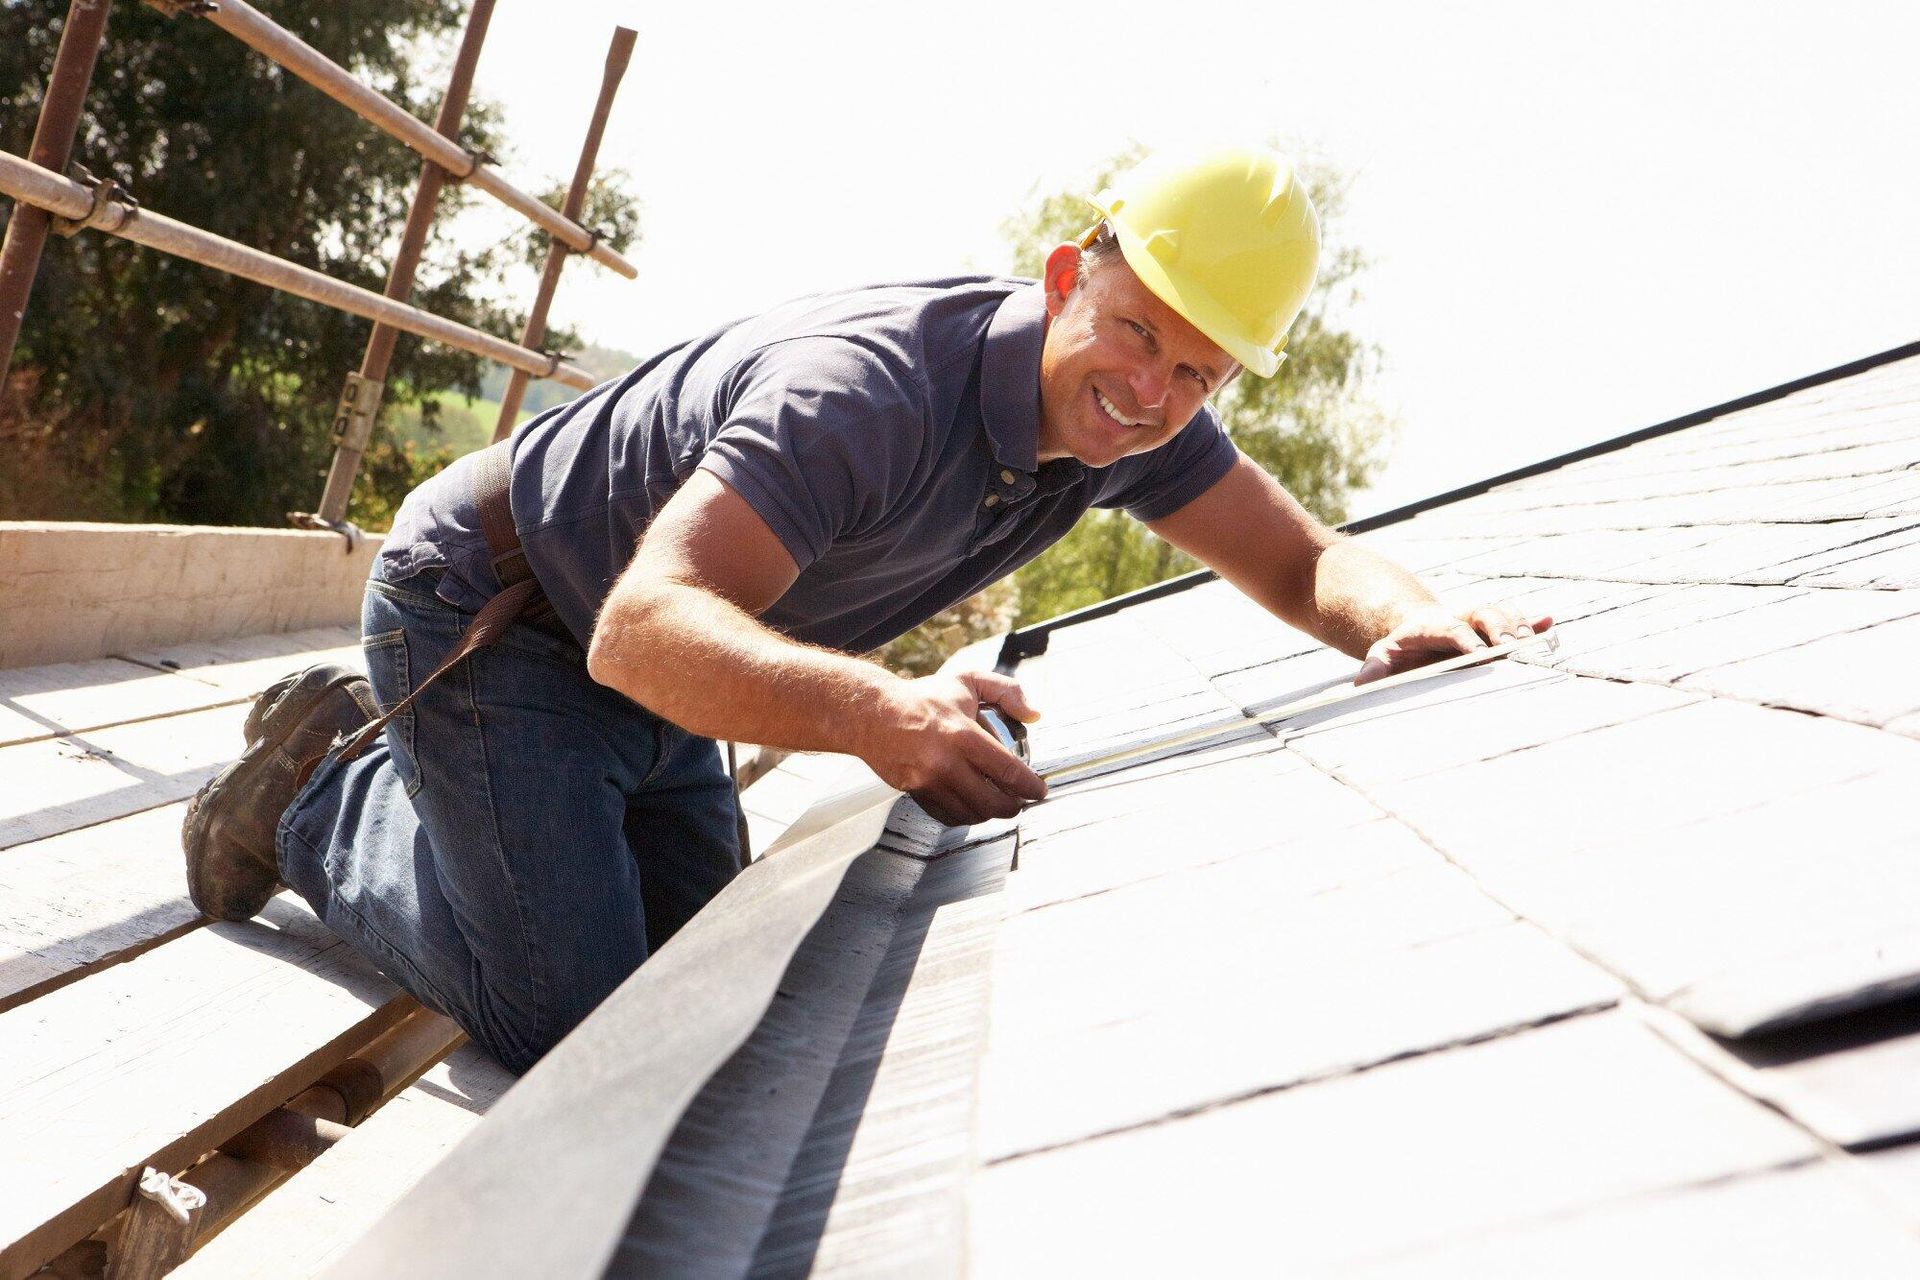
181 1200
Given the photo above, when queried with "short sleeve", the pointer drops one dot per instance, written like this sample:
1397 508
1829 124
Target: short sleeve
819 435
1161 481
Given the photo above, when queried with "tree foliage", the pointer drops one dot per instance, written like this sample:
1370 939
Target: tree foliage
1312 424
921 651
158 389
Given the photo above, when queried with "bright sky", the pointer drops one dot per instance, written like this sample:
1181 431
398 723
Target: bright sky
1583 219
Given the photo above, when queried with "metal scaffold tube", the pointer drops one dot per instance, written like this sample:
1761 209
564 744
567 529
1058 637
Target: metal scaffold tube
360 401
61 196
535 332
263 35
52 145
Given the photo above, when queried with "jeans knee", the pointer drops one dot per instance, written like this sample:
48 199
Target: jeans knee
520 1033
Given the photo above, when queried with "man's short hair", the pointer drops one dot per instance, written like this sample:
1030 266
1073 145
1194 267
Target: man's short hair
1099 245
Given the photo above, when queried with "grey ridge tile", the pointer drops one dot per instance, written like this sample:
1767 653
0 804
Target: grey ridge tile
1413 1154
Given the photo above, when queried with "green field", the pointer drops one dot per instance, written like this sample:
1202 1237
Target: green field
464 424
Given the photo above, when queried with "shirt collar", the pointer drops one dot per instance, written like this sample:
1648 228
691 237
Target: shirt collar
1010 378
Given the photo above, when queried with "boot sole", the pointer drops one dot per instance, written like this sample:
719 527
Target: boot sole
259 884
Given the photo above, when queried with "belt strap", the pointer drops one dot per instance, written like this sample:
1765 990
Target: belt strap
519 592
519 599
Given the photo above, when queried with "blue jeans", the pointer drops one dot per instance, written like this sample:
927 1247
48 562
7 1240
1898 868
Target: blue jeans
518 841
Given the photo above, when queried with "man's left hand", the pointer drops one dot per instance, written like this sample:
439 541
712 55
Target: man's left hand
1434 631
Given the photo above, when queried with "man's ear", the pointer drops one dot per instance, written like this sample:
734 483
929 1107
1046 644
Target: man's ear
1061 274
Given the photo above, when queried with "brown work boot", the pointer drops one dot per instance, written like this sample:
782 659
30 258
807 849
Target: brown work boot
228 833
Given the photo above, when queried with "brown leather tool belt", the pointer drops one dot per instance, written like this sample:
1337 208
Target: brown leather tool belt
519 599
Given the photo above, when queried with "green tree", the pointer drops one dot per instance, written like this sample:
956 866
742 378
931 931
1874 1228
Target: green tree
1312 424
152 388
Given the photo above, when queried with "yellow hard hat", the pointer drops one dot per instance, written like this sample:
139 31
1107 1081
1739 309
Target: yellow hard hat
1227 238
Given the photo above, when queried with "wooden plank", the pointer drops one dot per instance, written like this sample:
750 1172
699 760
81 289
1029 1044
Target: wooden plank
246 665
161 1059
72 697
79 901
77 697
61 784
309 1220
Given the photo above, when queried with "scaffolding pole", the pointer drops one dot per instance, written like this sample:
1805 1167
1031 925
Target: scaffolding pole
261 34
51 149
360 400
98 207
535 332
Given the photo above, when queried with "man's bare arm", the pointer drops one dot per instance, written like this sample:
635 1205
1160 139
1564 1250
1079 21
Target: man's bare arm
679 635
1254 534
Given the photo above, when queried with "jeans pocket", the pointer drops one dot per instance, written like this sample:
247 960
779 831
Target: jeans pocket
392 678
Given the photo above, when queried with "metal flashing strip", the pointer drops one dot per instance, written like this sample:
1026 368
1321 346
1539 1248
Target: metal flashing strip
1031 641
840 1134
1073 767
546 1185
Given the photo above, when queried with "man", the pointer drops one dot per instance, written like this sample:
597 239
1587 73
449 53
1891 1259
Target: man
716 533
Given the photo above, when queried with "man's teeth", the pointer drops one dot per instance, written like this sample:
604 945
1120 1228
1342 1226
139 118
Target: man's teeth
1117 416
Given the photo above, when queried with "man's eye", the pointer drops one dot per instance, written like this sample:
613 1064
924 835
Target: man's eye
1137 327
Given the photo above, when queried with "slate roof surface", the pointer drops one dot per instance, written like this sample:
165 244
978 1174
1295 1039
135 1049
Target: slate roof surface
1531 967
1591 962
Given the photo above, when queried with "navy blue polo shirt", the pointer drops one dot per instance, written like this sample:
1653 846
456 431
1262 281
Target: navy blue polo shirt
887 436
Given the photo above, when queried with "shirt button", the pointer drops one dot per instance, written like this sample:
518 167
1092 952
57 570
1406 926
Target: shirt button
992 499
1006 476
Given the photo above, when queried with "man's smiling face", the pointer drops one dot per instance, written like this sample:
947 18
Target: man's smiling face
1121 371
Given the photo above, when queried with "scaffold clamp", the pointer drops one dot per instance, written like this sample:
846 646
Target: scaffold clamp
347 529
359 405
104 194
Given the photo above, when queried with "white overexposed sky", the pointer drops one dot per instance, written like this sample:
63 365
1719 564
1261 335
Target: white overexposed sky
1582 218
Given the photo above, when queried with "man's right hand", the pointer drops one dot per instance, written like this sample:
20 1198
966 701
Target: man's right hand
929 743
